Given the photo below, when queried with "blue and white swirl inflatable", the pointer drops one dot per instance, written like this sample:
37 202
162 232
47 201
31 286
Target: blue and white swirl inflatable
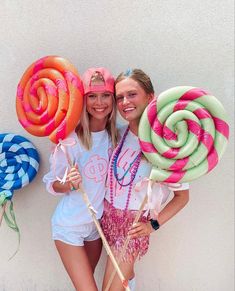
19 163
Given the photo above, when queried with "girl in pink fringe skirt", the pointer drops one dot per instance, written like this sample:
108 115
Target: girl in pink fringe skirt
127 184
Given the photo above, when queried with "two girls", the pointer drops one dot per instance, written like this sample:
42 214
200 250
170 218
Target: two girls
73 231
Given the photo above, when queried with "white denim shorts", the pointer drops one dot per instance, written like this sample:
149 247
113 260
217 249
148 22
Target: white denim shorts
75 235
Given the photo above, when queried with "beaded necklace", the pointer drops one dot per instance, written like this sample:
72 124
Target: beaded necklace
113 171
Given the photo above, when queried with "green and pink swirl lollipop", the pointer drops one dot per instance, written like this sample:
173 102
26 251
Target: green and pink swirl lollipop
183 133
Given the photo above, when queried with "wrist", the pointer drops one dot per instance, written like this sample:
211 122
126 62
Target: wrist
154 224
71 186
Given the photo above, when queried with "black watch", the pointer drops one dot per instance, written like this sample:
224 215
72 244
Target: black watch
155 224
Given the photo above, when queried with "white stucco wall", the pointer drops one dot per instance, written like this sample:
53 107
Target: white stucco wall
177 43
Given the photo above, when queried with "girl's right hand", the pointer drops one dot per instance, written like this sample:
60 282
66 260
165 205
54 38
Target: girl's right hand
140 229
74 177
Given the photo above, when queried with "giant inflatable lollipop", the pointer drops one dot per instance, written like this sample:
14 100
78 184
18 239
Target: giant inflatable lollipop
19 163
183 133
49 103
50 98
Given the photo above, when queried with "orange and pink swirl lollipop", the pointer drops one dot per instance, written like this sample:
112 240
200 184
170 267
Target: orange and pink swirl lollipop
50 98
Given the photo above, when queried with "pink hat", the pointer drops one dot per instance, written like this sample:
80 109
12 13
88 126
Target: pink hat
103 75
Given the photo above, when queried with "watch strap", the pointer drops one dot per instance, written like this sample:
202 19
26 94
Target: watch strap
155 224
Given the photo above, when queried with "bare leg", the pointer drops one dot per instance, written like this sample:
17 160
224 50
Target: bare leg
77 265
127 270
93 250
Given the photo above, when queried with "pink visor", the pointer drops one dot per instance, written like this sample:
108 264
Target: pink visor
105 78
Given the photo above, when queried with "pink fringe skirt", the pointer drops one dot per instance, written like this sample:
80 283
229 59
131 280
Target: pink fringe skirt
116 224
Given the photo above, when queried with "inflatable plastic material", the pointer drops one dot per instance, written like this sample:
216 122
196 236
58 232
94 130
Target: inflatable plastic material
19 163
50 98
183 133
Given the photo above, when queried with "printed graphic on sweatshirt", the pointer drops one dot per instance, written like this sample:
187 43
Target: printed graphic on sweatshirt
96 169
124 170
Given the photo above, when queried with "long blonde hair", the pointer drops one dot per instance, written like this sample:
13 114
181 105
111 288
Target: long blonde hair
83 130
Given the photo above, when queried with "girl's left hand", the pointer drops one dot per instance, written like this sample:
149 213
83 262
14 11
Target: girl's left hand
140 229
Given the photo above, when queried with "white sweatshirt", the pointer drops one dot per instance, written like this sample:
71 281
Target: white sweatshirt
93 166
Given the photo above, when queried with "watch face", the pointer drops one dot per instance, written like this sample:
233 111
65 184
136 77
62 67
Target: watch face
155 224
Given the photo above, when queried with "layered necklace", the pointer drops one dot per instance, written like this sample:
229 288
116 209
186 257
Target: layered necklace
113 171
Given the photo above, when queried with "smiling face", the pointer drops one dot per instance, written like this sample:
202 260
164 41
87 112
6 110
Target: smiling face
131 101
99 105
